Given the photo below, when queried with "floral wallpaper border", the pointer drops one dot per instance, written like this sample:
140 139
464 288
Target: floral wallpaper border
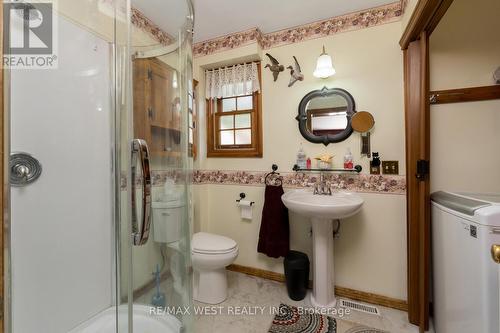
142 22
349 22
349 182
382 184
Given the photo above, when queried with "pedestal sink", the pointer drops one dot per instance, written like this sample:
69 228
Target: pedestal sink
322 210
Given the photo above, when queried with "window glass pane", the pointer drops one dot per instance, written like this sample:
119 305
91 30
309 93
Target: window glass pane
227 137
191 137
226 122
243 137
245 103
190 119
228 104
243 121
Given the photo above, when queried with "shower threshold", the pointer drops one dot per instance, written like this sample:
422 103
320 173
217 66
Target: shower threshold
144 321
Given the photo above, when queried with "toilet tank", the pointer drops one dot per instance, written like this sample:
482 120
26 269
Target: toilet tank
168 218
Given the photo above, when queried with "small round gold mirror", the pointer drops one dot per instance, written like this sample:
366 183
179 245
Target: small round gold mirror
362 121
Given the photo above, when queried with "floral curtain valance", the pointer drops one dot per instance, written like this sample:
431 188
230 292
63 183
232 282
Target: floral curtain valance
230 81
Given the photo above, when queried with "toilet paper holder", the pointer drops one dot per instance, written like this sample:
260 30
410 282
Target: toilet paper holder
243 196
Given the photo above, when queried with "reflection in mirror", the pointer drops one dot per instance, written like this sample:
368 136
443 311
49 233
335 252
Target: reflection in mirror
327 115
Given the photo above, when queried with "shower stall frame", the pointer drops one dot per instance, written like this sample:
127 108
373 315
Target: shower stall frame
5 218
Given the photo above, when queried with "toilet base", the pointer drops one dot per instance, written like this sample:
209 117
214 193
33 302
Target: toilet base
210 286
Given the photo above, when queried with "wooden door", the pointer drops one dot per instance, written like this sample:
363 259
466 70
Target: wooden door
156 108
416 71
160 86
142 116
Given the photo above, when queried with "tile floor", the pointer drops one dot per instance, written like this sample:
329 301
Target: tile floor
248 291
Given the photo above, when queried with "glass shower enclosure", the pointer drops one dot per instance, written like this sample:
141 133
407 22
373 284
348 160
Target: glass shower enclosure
98 230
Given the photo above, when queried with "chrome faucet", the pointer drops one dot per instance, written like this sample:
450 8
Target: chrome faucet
322 187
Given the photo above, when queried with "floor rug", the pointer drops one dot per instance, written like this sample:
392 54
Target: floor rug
289 320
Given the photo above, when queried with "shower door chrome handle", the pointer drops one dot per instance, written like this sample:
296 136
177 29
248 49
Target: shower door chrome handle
140 153
495 253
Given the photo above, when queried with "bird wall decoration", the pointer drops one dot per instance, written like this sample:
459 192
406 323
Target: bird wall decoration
295 73
275 66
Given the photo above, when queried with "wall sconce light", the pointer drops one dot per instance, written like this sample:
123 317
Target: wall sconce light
324 66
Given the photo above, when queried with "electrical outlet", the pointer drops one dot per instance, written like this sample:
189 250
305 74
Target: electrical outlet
390 167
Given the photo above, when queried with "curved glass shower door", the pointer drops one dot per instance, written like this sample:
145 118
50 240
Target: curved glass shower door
98 232
61 90
155 278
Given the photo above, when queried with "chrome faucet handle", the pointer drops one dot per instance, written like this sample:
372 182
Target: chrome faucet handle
316 189
319 186
328 190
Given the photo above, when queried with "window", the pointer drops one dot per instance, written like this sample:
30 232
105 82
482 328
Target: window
234 122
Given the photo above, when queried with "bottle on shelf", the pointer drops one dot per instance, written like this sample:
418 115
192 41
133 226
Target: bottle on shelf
301 158
348 160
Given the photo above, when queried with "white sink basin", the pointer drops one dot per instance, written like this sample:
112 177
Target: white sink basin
322 210
336 206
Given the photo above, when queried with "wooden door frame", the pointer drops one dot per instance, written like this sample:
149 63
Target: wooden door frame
424 19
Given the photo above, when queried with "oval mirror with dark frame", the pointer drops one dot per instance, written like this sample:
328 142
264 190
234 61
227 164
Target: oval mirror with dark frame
325 115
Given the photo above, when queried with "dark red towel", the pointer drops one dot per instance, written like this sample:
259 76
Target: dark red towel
274 235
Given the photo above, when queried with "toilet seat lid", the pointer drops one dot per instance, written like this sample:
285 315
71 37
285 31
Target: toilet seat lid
204 242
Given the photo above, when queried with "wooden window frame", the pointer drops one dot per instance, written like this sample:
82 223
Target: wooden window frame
193 147
214 112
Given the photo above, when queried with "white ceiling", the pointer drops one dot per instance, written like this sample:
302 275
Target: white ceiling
214 18
169 15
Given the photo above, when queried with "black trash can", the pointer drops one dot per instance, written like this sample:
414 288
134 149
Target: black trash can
296 274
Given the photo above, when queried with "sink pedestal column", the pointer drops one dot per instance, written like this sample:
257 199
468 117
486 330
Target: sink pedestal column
323 287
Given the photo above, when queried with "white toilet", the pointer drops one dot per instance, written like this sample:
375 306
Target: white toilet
211 254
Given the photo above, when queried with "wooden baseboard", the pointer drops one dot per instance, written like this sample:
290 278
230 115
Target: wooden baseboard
339 291
257 272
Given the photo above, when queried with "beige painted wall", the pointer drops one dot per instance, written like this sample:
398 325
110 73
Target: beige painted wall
371 252
410 8
464 52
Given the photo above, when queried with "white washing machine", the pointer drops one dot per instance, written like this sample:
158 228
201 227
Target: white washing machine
465 278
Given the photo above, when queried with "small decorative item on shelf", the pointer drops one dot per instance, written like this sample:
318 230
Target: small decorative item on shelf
375 164
324 161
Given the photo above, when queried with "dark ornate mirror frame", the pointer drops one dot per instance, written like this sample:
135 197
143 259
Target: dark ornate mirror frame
329 138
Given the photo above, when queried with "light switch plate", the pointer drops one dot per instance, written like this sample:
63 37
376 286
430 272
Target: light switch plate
390 167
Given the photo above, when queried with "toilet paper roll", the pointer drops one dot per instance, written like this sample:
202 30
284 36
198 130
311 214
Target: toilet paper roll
246 209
